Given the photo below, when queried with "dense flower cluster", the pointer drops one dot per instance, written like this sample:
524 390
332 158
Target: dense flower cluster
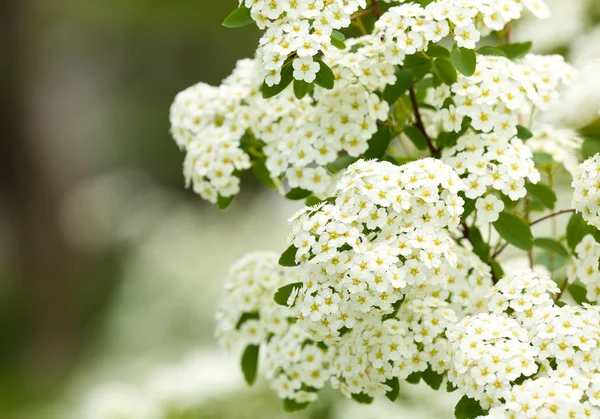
495 95
525 335
586 194
409 28
586 267
383 236
469 283
488 161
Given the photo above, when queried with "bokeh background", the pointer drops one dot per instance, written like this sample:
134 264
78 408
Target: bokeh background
109 269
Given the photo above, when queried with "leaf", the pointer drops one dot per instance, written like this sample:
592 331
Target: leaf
551 260
447 139
223 202
416 136
282 295
298 194
579 293
543 193
516 50
362 398
288 258
393 394
464 59
468 408
551 245
244 318
541 159
493 51
379 143
450 387
445 70
341 163
496 269
414 378
469 208
325 77
287 76
290 405
514 230
393 92
261 172
432 378
590 148
250 363
238 18
301 88
577 229
311 201
523 133
337 39
437 51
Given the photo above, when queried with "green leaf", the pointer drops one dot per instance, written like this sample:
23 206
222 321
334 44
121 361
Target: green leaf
514 230
551 260
341 163
283 294
432 378
223 202
480 247
290 405
579 293
287 76
468 408
311 201
464 59
301 88
543 193
393 92
394 384
379 143
447 139
450 388
416 136
445 70
590 148
541 159
250 363
496 268
493 51
298 194
523 133
362 398
414 378
260 171
551 245
244 318
577 229
288 258
434 51
238 18
418 65
517 50
469 208
337 39
325 77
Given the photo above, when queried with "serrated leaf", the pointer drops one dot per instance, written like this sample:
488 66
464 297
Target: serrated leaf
523 133
288 258
493 51
516 50
394 384
290 405
379 143
468 408
416 136
223 202
514 230
238 18
362 398
250 363
287 76
301 88
393 92
298 194
325 77
579 293
445 70
282 295
432 378
551 245
543 193
464 59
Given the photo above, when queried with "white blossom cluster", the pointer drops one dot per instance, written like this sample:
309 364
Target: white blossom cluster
383 236
586 194
469 283
299 27
586 267
491 162
409 28
562 144
495 95
525 336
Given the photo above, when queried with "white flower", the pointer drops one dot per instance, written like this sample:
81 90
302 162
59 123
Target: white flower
306 69
489 208
586 194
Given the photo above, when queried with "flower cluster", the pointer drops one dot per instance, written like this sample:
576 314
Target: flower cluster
586 267
409 28
299 27
489 161
586 194
381 237
494 96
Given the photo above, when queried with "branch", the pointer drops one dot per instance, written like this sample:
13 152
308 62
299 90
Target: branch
376 9
551 216
419 123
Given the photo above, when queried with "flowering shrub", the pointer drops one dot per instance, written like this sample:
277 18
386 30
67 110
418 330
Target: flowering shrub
421 156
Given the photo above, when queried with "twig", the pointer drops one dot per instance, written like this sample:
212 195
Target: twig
376 9
563 287
551 216
361 14
419 122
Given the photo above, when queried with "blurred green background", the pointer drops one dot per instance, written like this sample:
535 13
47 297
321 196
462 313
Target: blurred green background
109 269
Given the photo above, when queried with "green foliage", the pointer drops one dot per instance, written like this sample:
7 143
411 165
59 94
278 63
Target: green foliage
325 77
578 293
290 405
282 295
223 202
394 392
250 363
543 193
468 408
493 51
287 76
379 143
577 229
432 378
465 60
404 81
343 162
523 133
514 51
337 39
260 171
416 136
298 194
301 88
288 258
515 230
444 69
244 318
590 147
362 398
238 18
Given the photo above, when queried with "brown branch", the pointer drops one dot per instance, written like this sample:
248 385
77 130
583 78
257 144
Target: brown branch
361 14
419 121
551 216
563 287
376 8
